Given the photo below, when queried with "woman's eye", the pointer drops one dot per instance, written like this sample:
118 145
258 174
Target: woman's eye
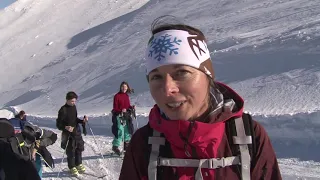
155 77
182 72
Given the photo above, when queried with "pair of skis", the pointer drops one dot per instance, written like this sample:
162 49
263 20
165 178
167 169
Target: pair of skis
111 154
83 176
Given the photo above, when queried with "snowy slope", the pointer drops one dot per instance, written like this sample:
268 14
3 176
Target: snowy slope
267 50
296 149
96 44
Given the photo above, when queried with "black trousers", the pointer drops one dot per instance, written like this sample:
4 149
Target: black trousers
74 159
74 152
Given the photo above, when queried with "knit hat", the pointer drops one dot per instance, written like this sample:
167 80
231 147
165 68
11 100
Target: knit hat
6 128
178 47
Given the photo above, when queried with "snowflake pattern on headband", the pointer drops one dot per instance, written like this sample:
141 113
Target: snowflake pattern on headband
164 45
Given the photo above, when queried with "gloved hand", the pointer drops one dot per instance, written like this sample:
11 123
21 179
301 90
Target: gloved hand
33 155
37 143
85 119
84 129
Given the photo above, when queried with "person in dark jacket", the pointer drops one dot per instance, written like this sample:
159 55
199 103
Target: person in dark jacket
18 121
122 126
71 138
13 166
44 138
186 137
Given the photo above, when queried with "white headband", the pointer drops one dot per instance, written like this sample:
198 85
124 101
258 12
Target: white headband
178 47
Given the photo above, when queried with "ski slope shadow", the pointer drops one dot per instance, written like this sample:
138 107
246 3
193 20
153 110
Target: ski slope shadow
294 136
268 59
24 98
100 125
134 75
239 67
104 29
59 160
55 174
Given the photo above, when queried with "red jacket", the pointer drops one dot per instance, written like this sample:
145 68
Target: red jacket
121 101
209 140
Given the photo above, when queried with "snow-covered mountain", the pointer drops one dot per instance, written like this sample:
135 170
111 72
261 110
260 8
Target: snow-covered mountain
267 50
50 47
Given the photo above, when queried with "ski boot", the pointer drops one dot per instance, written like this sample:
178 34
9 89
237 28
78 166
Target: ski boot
116 150
74 171
81 168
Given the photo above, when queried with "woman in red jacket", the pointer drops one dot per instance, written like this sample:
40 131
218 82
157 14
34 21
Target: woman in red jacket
122 127
197 130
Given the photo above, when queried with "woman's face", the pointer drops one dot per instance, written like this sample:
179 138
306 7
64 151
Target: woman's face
124 88
180 91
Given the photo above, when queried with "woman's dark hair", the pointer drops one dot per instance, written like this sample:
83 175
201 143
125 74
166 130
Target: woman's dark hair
20 114
70 95
129 91
168 22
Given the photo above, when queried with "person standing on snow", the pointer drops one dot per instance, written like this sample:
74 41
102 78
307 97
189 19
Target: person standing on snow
122 126
189 131
13 166
71 138
43 139
33 143
18 121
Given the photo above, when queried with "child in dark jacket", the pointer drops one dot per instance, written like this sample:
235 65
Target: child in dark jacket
71 138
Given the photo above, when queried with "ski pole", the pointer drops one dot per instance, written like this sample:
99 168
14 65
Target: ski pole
65 151
135 118
94 138
45 161
137 123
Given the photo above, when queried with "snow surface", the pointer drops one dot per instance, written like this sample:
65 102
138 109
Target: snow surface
267 50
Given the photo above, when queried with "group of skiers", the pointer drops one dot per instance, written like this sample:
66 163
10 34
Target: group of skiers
197 129
72 142
23 148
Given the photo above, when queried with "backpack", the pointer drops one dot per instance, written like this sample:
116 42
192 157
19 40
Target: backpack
59 120
20 145
240 134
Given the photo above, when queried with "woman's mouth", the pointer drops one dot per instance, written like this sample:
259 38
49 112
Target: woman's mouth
174 105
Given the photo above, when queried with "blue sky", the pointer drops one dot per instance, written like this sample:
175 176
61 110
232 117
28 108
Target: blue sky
5 3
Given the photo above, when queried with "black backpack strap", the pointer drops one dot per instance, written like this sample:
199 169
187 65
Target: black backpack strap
20 148
231 131
247 138
59 120
248 124
163 151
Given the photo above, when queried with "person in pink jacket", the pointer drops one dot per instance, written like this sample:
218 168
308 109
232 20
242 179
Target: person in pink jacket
122 126
197 129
